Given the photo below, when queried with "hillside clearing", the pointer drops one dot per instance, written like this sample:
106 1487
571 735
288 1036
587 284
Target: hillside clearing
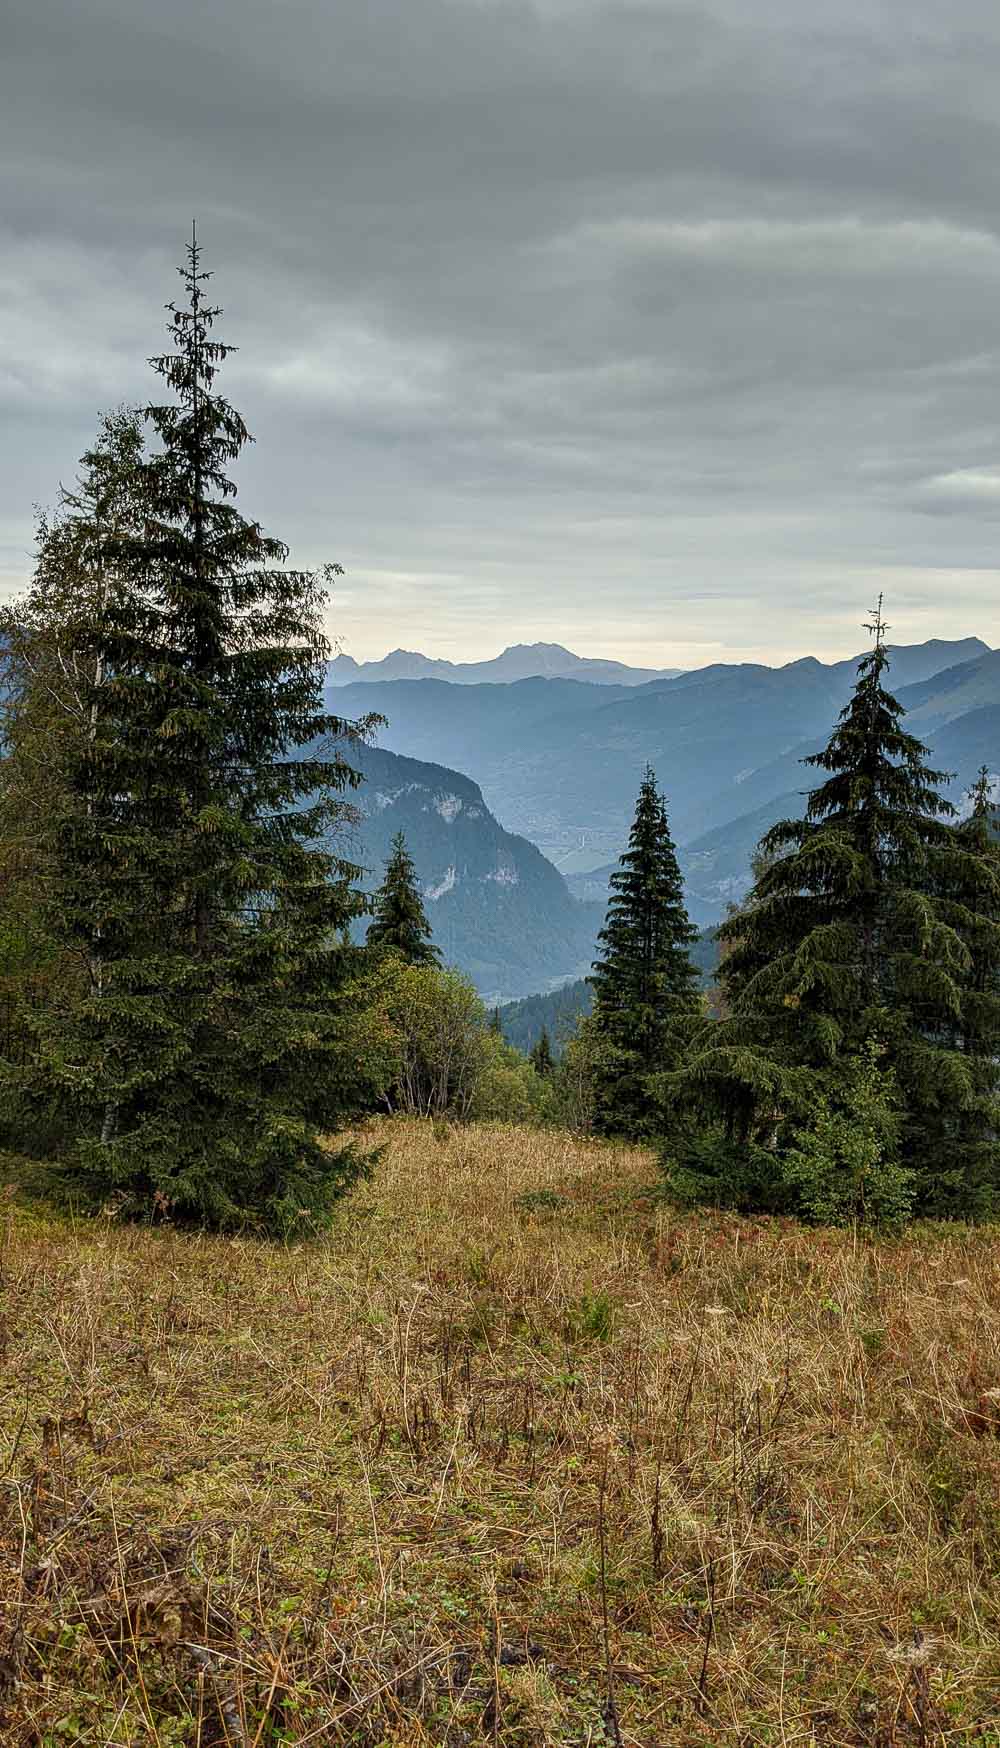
515 1455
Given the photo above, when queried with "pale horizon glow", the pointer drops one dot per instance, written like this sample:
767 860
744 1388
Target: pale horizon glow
634 657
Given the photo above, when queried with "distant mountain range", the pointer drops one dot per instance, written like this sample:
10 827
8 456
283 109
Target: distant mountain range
522 661
499 910
559 760
944 710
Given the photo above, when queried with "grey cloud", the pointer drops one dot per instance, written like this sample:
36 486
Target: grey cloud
966 491
656 328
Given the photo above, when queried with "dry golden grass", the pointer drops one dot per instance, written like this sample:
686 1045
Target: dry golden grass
516 1455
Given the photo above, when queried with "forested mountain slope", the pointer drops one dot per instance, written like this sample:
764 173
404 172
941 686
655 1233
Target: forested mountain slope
559 1011
499 910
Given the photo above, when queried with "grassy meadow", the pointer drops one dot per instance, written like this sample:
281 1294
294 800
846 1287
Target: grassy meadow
517 1455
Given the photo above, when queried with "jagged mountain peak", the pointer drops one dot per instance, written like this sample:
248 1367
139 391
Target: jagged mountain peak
519 661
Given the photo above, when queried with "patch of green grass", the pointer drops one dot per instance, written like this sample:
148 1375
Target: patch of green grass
591 1318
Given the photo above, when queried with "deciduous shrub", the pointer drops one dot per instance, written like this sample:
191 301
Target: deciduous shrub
438 1055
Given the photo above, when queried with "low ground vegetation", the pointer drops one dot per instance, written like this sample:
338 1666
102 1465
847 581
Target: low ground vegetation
517 1454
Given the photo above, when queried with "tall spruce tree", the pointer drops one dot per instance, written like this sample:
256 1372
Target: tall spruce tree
400 921
644 983
965 1137
853 932
540 1055
193 861
50 684
49 677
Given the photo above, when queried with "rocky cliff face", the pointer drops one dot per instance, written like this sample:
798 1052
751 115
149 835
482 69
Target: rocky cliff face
499 910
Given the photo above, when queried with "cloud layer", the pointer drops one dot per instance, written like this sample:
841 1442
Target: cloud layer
670 331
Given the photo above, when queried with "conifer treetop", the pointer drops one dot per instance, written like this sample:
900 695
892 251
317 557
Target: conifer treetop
644 982
400 921
876 768
647 931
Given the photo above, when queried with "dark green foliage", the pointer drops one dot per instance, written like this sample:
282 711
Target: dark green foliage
47 674
400 921
541 1055
47 677
964 1136
856 930
839 1166
704 1165
558 1014
842 1166
644 983
191 873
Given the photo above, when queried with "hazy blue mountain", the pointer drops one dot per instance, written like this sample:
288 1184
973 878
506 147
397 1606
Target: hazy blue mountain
966 744
521 661
954 712
498 909
468 727
717 865
591 885
561 760
954 692
913 663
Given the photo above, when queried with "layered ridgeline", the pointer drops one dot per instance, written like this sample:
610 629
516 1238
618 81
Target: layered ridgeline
498 908
956 712
522 661
558 759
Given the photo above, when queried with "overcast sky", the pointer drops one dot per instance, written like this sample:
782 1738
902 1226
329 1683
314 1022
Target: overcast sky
669 331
